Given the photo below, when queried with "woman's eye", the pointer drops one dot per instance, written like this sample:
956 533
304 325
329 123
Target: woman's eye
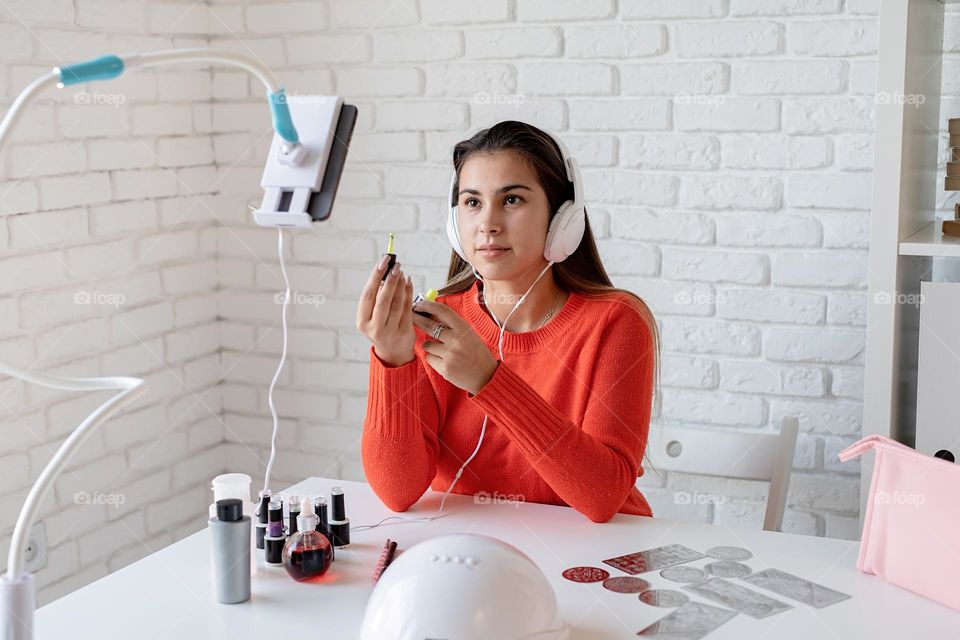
471 202
516 199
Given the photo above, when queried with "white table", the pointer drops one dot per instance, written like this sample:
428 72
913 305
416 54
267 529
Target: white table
169 594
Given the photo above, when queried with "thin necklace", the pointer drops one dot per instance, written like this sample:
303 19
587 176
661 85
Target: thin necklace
546 318
552 309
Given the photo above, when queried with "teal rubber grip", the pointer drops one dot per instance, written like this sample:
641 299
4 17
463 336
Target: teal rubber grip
282 122
102 68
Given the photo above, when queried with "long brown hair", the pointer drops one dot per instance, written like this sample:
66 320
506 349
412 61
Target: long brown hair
583 271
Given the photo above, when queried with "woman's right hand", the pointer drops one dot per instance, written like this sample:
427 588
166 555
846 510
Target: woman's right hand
385 314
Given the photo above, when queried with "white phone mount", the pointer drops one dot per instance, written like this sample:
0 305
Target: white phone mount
294 173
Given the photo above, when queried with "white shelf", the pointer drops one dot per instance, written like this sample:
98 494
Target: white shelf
905 187
929 241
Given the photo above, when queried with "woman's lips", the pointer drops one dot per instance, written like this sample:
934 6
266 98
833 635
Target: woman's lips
491 254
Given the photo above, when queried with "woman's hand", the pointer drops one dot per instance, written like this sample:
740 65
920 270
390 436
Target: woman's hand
460 355
384 314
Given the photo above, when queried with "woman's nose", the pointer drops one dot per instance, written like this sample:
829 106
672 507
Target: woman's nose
490 222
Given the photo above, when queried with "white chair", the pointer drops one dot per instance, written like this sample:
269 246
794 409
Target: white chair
728 453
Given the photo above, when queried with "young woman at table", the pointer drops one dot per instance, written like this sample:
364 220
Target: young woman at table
564 412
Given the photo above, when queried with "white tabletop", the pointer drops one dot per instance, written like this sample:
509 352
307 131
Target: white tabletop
169 593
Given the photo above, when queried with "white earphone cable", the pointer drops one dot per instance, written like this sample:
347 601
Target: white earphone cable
283 358
483 428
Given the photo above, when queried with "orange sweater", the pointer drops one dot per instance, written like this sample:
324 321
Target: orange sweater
569 410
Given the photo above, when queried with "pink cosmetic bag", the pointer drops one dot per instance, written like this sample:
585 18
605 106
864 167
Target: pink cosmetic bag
910 530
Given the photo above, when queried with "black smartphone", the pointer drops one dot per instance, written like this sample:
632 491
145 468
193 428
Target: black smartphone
321 202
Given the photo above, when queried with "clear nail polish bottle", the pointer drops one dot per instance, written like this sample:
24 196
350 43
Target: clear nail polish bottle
307 554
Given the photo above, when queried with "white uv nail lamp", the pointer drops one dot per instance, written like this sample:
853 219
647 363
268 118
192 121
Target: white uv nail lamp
300 180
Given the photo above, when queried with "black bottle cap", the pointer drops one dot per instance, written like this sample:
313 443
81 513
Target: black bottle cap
262 509
339 509
945 454
229 510
275 512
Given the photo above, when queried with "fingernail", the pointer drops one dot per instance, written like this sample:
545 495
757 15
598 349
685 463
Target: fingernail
383 262
395 271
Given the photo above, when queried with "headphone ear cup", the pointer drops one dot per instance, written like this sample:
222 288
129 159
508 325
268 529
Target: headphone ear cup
565 232
453 233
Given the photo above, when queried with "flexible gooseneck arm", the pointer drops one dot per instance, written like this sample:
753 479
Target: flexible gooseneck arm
107 67
130 389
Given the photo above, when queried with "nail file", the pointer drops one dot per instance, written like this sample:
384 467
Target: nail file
795 588
691 621
654 559
683 574
746 601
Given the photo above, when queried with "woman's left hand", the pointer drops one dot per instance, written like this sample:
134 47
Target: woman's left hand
460 355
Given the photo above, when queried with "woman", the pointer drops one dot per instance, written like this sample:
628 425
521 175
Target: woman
567 404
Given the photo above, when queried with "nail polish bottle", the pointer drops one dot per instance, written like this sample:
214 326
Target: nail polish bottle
274 540
265 496
307 554
339 522
323 525
431 296
393 258
294 508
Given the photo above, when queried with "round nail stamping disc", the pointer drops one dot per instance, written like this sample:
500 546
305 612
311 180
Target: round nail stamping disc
586 574
736 554
728 569
626 584
683 574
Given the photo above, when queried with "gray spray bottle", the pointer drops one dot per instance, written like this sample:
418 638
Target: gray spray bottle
230 536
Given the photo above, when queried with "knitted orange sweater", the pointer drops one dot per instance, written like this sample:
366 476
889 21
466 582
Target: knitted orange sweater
569 410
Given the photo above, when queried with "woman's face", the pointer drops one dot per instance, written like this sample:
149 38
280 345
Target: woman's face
502 203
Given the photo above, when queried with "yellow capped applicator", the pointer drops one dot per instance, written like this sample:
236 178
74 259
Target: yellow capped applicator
393 258
431 296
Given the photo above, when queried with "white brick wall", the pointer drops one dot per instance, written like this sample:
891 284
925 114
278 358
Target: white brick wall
726 147
726 150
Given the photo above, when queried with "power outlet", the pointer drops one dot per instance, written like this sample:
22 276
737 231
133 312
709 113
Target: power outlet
36 554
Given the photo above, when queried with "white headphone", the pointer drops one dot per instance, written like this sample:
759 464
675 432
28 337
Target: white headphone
566 228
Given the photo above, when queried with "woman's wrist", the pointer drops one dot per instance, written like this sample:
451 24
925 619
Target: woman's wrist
392 361
487 378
